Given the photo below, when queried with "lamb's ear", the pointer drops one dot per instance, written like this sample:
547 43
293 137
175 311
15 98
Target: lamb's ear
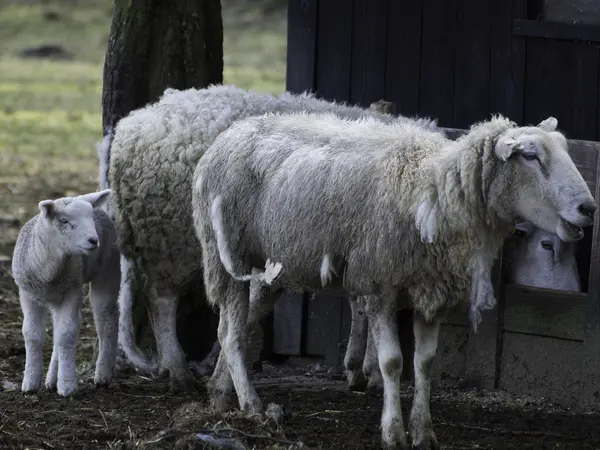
97 199
549 124
525 227
47 208
506 146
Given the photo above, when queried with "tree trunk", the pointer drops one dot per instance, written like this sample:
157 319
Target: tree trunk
154 45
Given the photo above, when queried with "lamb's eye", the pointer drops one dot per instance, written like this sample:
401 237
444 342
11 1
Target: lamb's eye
547 245
63 221
529 156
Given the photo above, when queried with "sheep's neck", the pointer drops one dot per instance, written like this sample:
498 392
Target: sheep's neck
47 262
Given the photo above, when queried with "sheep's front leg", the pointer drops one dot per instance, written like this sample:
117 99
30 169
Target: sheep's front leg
370 366
426 341
65 317
357 341
34 321
382 320
171 359
104 293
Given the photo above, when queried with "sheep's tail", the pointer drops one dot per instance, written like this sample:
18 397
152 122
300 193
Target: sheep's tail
272 270
126 336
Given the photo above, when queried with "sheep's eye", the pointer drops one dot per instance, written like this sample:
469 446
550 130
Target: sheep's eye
547 245
529 156
63 221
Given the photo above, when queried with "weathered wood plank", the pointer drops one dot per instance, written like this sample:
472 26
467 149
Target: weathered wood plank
557 71
507 60
403 66
334 49
287 324
515 83
545 312
593 308
324 327
301 45
585 157
472 71
369 33
555 30
436 98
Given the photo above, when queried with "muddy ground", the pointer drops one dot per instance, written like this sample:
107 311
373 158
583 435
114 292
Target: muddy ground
320 412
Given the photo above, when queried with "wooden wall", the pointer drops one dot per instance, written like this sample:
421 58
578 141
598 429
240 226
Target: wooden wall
460 62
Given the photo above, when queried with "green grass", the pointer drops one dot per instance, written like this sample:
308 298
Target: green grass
50 110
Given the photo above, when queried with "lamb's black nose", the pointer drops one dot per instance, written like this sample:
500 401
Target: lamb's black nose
587 209
93 241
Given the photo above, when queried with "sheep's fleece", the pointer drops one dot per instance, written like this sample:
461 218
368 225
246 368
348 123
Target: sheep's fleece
153 154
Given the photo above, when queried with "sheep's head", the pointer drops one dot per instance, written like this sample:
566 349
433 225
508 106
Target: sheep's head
537 181
540 259
70 221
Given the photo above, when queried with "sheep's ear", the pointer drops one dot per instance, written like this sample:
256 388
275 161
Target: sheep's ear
97 199
47 208
506 146
525 227
549 124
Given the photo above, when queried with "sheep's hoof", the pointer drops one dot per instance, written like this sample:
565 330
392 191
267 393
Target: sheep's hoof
51 387
183 384
102 384
430 443
222 401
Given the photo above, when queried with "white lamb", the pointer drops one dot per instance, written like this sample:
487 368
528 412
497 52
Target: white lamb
535 258
150 164
69 243
384 208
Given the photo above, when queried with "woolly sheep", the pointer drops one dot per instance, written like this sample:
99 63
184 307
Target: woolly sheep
535 258
381 209
152 157
70 242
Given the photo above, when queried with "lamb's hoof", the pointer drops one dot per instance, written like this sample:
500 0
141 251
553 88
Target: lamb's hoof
102 384
28 387
403 445
51 387
430 443
67 389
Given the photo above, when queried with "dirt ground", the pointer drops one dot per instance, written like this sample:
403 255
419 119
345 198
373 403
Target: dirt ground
319 411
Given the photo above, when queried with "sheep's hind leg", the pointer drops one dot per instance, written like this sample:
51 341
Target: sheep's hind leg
235 306
221 384
426 342
382 320
34 320
171 359
355 352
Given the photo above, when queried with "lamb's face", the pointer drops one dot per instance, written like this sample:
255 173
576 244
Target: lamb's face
540 259
71 220
540 182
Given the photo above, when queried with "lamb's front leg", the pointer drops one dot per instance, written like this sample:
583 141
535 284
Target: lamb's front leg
382 320
52 374
65 316
426 341
34 321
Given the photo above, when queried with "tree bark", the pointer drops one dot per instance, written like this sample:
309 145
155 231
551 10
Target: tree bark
154 45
